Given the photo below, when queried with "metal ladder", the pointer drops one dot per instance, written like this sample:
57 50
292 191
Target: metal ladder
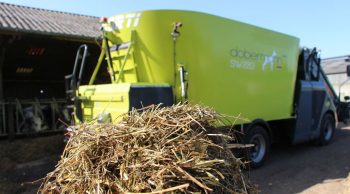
72 82
125 51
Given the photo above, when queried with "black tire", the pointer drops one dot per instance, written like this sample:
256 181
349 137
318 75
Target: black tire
258 136
327 130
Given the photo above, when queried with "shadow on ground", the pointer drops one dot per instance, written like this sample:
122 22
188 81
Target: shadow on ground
294 169
25 160
290 169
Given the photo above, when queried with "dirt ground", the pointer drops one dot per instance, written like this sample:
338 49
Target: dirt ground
307 168
28 159
304 168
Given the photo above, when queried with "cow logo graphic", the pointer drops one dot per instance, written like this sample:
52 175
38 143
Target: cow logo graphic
250 60
269 60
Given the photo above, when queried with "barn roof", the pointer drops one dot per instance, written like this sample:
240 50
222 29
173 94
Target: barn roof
17 18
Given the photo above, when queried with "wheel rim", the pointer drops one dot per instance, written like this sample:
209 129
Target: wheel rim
328 131
257 152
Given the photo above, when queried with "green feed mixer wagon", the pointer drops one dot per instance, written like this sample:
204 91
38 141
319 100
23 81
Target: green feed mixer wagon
168 56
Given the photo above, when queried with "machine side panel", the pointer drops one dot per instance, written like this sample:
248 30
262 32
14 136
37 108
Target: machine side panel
231 66
142 96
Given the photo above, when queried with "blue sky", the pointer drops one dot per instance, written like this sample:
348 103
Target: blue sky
321 23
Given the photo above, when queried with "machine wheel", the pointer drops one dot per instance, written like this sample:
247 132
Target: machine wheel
258 136
327 129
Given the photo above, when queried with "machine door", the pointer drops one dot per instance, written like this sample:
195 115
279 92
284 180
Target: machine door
304 115
312 97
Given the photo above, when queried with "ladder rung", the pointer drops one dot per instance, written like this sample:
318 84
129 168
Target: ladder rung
70 106
69 91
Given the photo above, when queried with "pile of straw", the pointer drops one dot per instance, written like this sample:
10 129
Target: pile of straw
155 150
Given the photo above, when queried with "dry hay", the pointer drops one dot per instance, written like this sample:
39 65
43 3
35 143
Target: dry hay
155 150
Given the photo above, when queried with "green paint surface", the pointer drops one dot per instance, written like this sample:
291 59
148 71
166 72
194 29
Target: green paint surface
224 61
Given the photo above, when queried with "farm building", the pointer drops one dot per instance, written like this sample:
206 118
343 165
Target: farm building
37 49
335 68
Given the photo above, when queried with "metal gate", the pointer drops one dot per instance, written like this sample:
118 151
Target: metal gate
32 116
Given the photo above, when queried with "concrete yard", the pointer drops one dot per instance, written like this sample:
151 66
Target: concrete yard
307 168
304 168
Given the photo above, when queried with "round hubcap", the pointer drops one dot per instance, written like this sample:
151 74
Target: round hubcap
258 151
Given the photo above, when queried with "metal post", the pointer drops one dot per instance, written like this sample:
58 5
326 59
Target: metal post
53 115
3 131
2 60
10 122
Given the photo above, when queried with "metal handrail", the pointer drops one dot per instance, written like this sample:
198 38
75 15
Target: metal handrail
82 64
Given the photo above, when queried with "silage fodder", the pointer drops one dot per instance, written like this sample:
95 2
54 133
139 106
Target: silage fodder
154 150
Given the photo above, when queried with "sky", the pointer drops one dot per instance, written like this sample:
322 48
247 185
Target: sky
324 24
